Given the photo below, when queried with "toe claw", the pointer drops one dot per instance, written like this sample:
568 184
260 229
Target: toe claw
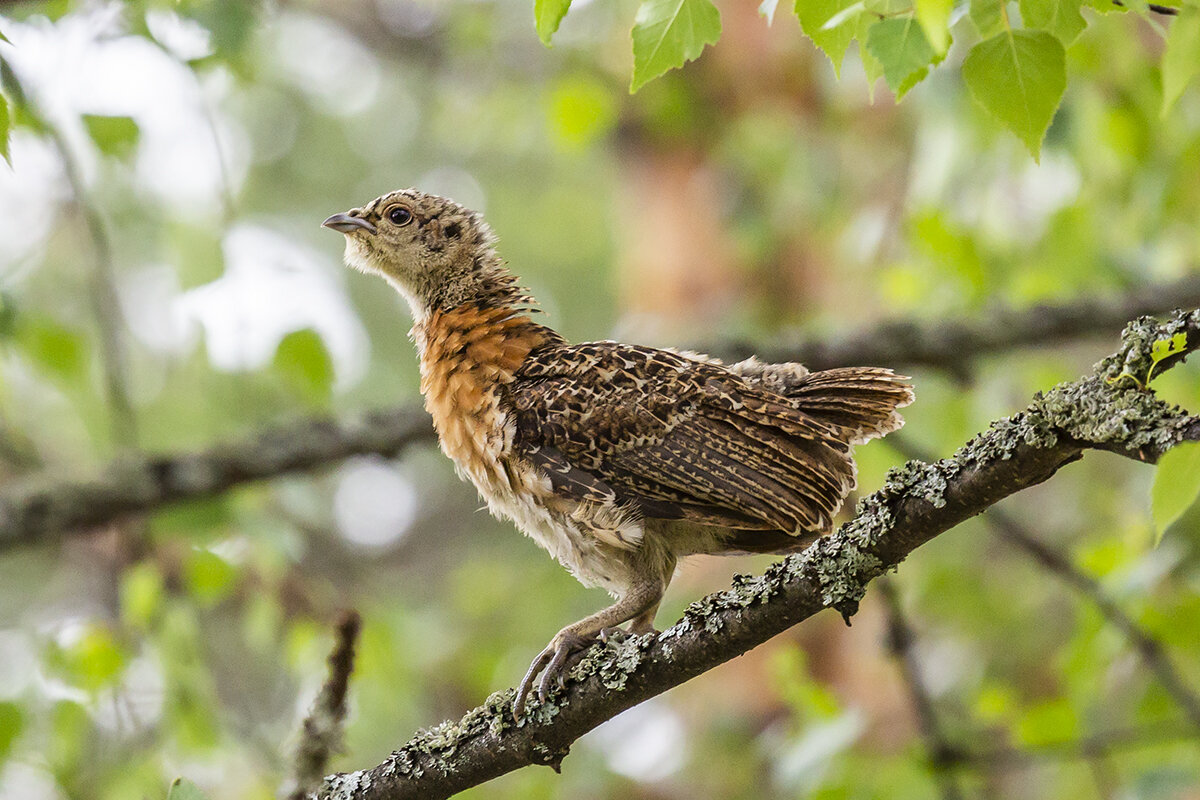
552 664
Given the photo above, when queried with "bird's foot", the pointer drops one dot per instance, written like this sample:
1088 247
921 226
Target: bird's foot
552 664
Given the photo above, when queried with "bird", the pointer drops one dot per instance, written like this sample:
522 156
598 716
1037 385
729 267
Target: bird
617 459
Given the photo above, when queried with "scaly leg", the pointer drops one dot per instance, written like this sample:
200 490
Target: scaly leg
579 636
644 622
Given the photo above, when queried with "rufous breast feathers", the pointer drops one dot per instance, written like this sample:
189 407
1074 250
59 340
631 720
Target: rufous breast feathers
467 354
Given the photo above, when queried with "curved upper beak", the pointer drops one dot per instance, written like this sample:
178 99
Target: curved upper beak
346 223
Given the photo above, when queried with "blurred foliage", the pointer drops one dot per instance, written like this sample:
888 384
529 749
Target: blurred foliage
750 194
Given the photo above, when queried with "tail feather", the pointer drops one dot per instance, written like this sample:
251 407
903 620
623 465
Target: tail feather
860 401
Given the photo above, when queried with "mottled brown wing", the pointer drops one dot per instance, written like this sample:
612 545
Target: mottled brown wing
677 438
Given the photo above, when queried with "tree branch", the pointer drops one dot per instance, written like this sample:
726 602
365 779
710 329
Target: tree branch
38 509
953 345
321 734
1149 648
44 507
901 644
1109 409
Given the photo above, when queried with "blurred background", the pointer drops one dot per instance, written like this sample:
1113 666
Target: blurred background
165 284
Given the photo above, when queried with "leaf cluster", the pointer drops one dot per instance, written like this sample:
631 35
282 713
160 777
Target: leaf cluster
1015 67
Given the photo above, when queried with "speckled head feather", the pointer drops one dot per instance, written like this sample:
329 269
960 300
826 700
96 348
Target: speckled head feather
437 253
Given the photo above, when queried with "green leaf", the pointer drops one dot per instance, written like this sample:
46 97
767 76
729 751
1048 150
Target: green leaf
1176 485
1047 723
58 350
1181 61
114 136
208 577
183 789
547 14
871 65
581 111
815 16
141 594
934 16
5 127
989 16
1165 348
1059 17
93 662
1019 77
305 364
11 723
902 49
668 33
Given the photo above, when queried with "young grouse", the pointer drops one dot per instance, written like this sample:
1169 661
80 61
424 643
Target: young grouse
617 459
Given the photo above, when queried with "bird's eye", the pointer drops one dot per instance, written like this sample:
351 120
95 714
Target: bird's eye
400 215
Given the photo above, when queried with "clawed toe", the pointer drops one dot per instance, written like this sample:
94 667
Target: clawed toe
552 664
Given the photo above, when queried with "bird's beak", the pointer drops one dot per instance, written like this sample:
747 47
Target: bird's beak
348 224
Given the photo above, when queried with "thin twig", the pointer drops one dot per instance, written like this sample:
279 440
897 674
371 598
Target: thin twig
901 641
1085 748
1151 651
1148 648
103 296
321 735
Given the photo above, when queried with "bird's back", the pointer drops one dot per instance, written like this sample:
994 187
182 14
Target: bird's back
680 437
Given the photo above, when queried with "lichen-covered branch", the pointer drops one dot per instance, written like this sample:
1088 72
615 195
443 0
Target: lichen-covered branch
43 507
46 506
1110 409
953 345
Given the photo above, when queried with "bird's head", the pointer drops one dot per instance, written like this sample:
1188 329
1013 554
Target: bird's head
437 253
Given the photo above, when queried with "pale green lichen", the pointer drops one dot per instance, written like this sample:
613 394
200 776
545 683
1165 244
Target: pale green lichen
345 786
1135 360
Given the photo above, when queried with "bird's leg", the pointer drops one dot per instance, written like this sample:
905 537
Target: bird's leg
644 622
552 662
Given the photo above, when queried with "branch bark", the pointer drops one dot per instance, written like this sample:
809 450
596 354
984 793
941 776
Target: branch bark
321 734
901 640
954 344
44 507
1109 409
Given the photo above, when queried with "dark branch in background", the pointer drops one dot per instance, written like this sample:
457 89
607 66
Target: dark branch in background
1107 743
321 735
953 345
1148 648
1109 409
1151 651
36 510
50 505
901 644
